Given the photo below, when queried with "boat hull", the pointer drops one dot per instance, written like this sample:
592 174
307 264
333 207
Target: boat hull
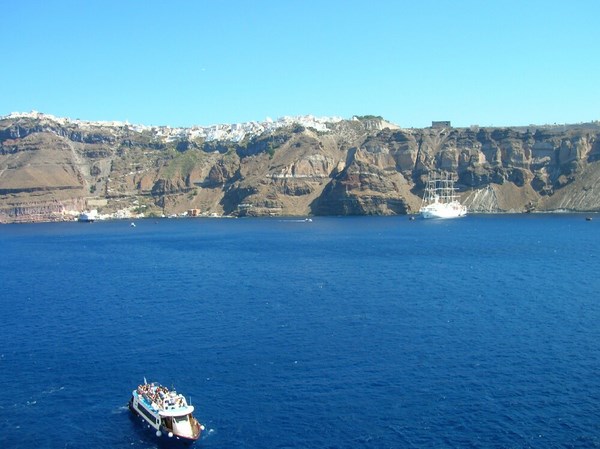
441 210
159 430
440 213
88 217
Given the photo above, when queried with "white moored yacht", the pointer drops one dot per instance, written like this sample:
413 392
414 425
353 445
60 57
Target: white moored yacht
166 411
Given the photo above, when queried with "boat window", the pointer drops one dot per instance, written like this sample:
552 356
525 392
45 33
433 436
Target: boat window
145 412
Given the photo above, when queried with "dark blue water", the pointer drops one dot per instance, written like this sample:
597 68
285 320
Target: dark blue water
481 332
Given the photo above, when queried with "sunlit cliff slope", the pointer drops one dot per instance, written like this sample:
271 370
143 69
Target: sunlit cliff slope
51 168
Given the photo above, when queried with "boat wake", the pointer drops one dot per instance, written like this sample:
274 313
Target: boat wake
33 401
53 390
208 433
303 220
119 410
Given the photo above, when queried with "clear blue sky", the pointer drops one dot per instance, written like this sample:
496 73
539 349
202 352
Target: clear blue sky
186 62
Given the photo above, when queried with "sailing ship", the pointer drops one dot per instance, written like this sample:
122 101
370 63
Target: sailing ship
440 199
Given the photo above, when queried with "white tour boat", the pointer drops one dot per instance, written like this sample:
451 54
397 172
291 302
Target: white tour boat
165 411
440 199
88 217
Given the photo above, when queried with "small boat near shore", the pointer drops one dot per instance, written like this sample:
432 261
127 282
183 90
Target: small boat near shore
88 217
166 412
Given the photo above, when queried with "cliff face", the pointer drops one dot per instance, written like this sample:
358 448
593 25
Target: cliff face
49 167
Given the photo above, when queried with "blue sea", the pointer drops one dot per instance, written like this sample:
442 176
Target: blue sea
364 332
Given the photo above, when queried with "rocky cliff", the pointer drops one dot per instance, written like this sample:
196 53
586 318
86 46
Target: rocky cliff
50 168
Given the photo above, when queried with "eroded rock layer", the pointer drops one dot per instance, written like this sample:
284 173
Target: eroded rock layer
50 168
